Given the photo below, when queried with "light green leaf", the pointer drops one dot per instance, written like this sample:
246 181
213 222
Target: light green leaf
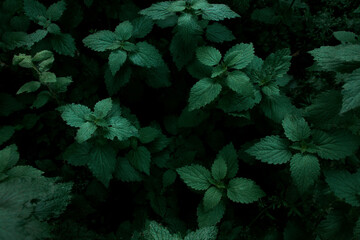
85 132
146 56
195 176
208 56
346 37
116 60
157 232
102 163
75 114
218 33
188 26
219 168
56 10
101 41
121 128
212 198
296 128
29 87
158 11
140 158
217 12
351 92
205 233
305 170
43 55
102 108
203 92
53 28
124 30
240 83
142 27
47 77
272 150
244 190
239 56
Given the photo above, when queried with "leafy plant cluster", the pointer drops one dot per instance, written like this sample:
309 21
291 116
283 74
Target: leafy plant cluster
185 119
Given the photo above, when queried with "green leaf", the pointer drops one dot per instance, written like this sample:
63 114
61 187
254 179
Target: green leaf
305 170
140 158
121 128
78 154
188 26
183 50
208 56
124 30
75 114
239 56
217 12
336 145
33 9
277 107
345 185
23 60
296 128
102 108
102 163
43 55
142 27
158 11
64 44
228 153
6 133
53 28
125 172
101 41
157 232
168 178
219 168
218 33
357 229
29 87
203 92
351 92
148 134
9 156
195 176
85 132
116 60
146 56
346 37
240 83
114 83
41 99
212 198
244 190
210 217
47 77
272 150
277 64
205 233
56 10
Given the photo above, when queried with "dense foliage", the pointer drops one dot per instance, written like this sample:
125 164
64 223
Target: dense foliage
185 119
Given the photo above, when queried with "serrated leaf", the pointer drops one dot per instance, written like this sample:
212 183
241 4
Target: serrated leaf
219 168
208 56
296 128
205 233
217 12
244 190
148 134
116 60
47 77
305 170
64 44
195 176
100 41
336 145
146 56
102 108
239 56
142 27
9 156
351 92
203 92
157 232
121 128
140 158
240 83
124 30
85 132
188 26
56 10
102 163
33 9
29 87
210 217
158 11
168 178
228 153
218 33
125 172
211 198
271 149
75 114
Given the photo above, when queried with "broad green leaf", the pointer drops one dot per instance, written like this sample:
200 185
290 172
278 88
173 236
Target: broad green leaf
219 168
296 128
211 198
102 108
53 29
102 163
305 170
351 92
335 226
142 27
47 77
75 114
6 133
168 178
85 132
29 87
125 172
23 60
146 56
56 10
205 233
271 149
188 26
116 60
140 158
195 176
346 37
121 128
33 9
218 33
157 232
78 154
277 64
124 30
158 11
64 44
240 83
148 134
101 41
203 92
228 153
244 190
217 12
335 145
9 156
210 217
239 56
43 55
208 56
345 185
183 50
277 107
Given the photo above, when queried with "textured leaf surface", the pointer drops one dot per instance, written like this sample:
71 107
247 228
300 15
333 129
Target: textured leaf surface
211 198
217 12
305 170
140 158
100 41
195 176
244 190
116 60
206 233
351 92
210 217
228 153
208 56
296 128
219 168
218 33
203 93
239 56
146 56
75 114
